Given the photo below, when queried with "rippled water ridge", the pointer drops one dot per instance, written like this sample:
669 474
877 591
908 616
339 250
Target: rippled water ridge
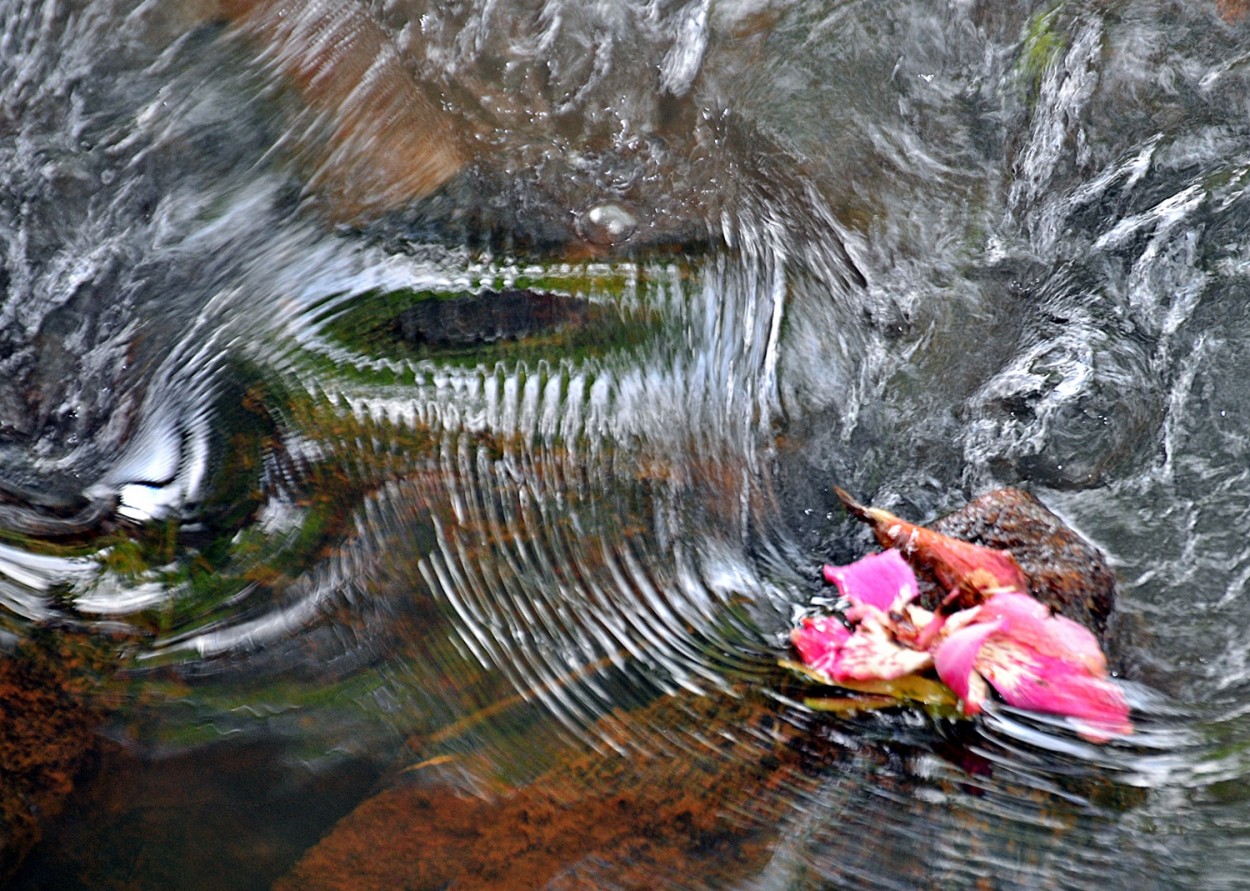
418 426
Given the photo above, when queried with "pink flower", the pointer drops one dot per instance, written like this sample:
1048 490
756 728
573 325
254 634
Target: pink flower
964 569
1034 660
869 653
880 588
879 580
1010 641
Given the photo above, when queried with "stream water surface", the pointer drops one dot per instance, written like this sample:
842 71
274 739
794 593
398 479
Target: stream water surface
496 500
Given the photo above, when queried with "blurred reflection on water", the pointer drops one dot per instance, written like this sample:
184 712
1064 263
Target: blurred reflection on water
452 395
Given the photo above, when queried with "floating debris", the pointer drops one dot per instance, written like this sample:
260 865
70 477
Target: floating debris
987 631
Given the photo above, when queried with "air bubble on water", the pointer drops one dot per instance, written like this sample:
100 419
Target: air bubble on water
608 223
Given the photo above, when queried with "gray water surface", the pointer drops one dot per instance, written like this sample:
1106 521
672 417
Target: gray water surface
918 250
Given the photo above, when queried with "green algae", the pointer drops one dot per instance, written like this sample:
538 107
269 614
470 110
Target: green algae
1043 46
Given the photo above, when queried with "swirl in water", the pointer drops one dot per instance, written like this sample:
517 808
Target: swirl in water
460 388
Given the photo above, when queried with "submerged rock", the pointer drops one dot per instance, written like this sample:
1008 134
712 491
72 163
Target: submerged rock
471 319
633 818
1063 570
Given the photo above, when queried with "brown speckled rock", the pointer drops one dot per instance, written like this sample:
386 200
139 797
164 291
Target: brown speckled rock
1065 572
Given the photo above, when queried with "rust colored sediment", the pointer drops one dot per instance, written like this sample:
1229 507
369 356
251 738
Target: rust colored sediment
1232 11
640 817
49 708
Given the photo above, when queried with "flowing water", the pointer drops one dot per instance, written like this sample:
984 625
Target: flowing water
516 489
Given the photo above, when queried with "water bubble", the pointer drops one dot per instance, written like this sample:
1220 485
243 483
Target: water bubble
608 223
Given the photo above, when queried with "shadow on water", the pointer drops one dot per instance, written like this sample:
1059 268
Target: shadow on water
418 423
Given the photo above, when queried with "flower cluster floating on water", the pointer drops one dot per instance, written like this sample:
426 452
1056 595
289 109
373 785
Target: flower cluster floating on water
988 632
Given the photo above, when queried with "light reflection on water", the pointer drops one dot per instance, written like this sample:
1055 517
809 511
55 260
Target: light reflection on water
919 254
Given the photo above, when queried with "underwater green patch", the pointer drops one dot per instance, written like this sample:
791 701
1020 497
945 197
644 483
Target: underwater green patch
379 324
1043 45
557 313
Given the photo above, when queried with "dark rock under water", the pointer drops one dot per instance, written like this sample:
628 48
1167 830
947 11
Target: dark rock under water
1064 571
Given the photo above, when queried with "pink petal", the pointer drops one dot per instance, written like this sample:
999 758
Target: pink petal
1018 608
872 654
878 580
1029 623
956 658
1045 683
819 642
